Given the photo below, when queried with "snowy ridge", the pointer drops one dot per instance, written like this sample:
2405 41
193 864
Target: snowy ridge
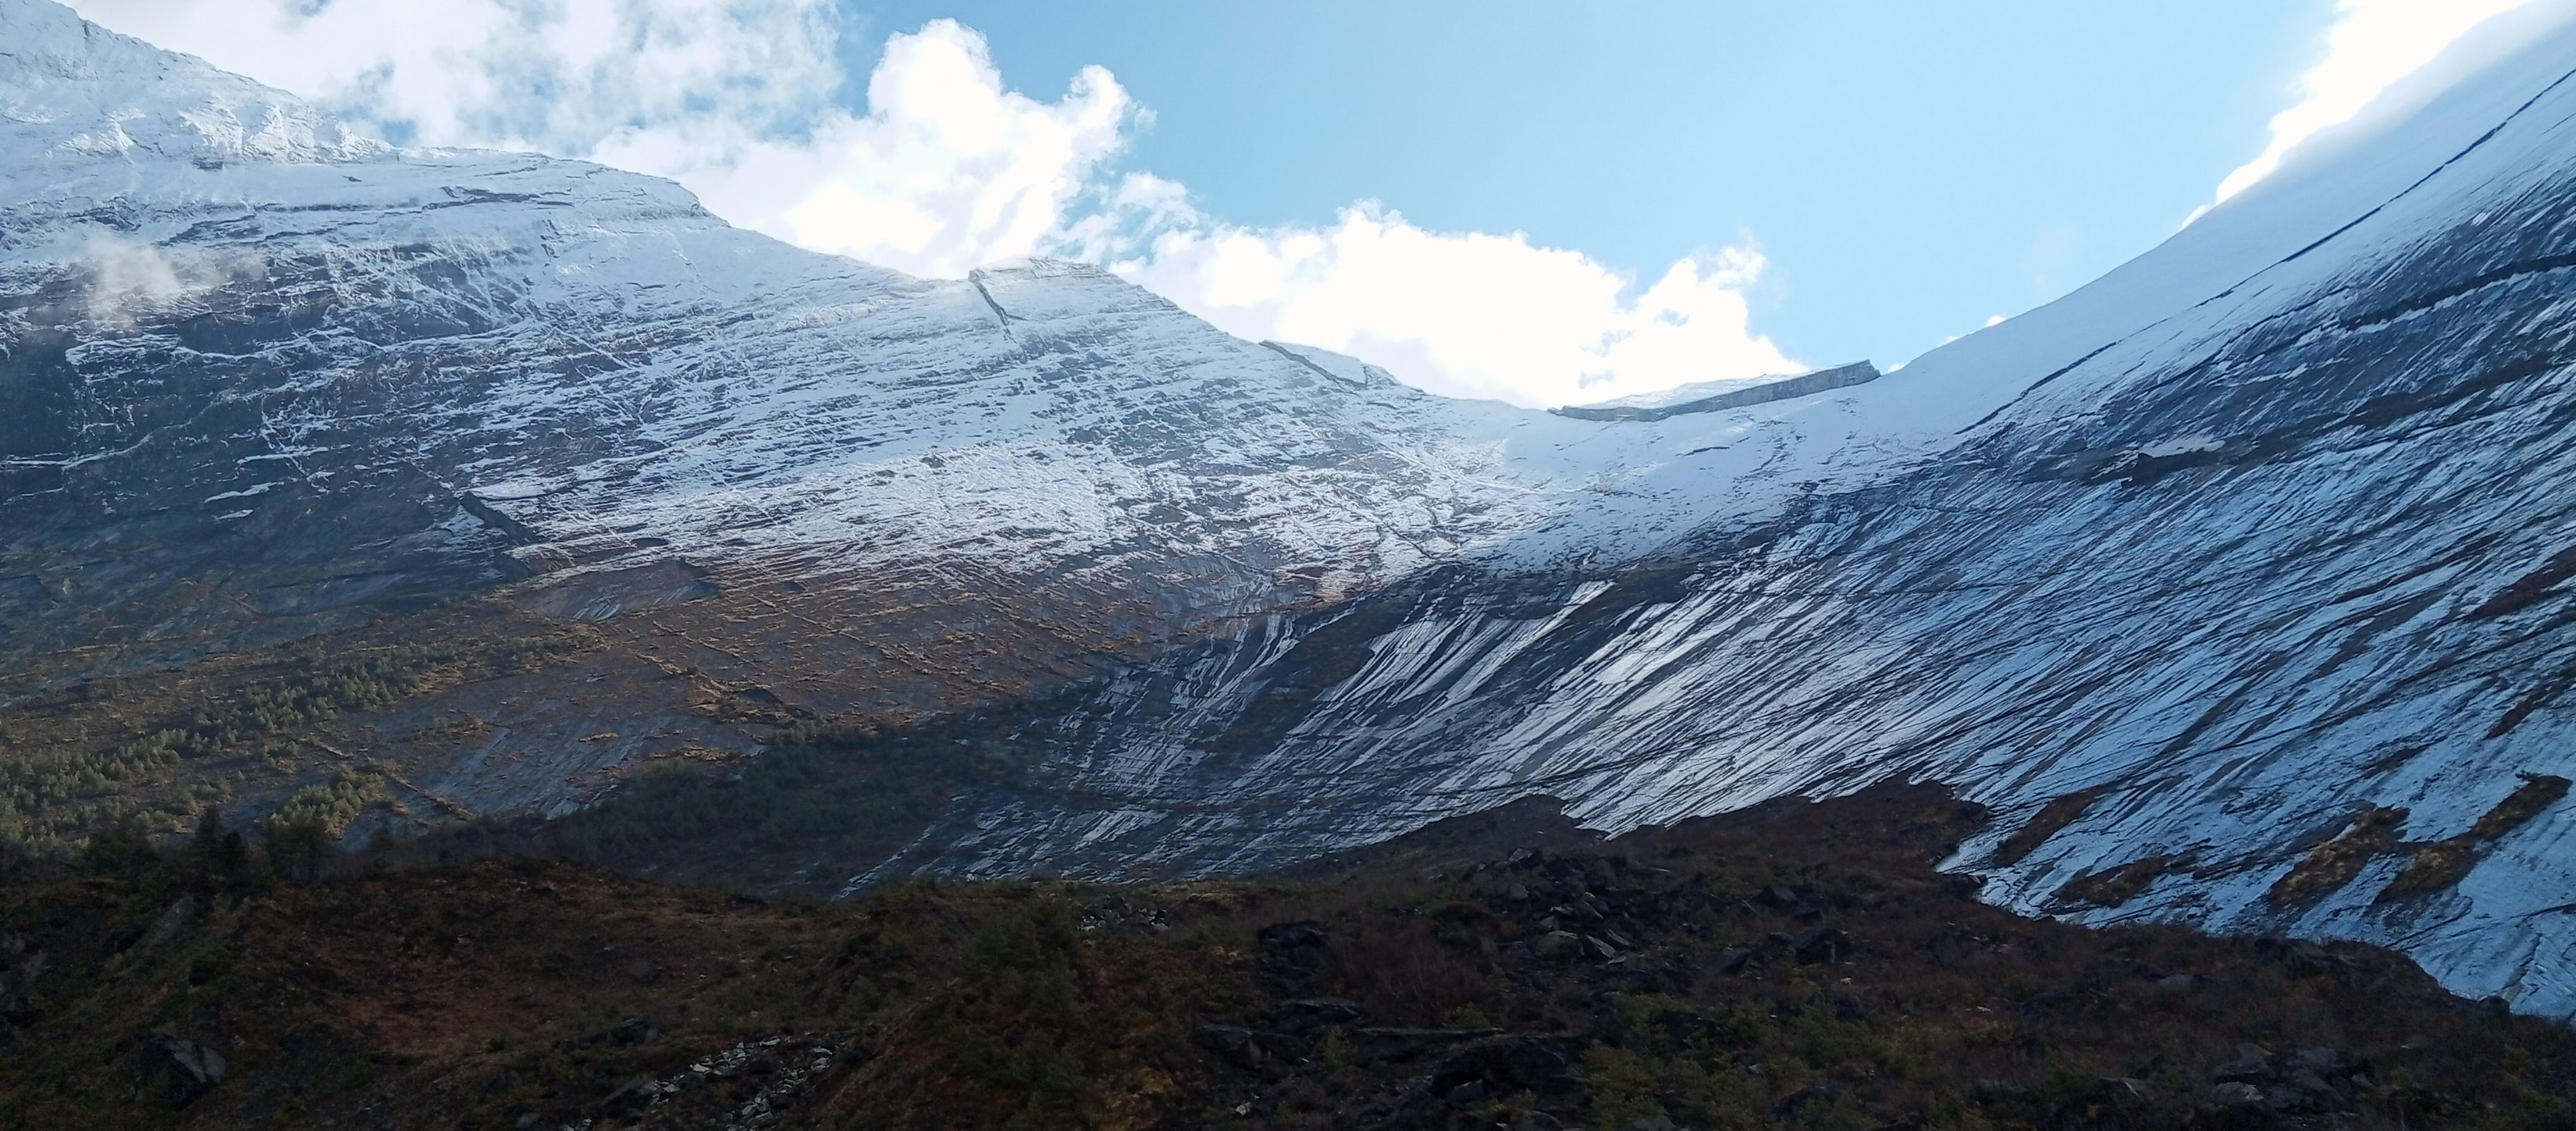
1718 396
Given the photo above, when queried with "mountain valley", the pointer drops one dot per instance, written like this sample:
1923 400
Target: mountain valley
518 517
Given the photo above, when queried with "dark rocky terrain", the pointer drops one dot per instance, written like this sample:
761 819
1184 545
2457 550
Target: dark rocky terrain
1793 965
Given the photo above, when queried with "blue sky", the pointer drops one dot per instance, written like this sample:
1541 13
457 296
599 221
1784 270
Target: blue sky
1908 169
1543 202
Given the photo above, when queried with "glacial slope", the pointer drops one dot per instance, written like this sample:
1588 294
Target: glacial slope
2272 548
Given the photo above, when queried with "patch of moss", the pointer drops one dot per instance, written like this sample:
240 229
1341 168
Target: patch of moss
2111 887
2329 866
2048 822
2440 865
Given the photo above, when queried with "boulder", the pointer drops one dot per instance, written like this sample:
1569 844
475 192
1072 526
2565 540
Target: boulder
1519 1062
2236 1094
1820 945
2330 1063
2252 1064
1290 952
1290 936
187 1069
1730 961
1371 1046
1234 1043
2125 1092
1995 1092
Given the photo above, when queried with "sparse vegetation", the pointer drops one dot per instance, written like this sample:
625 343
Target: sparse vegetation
848 793
53 795
2331 865
2112 887
2051 819
1793 966
2438 866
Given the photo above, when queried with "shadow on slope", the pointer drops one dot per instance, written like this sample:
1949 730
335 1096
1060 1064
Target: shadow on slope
1795 965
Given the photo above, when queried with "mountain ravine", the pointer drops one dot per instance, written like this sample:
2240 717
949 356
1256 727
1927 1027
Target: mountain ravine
406 486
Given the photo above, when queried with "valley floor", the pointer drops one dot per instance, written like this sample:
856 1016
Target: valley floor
1795 965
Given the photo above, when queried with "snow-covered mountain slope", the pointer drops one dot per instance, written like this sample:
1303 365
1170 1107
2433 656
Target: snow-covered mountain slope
2275 540
264 378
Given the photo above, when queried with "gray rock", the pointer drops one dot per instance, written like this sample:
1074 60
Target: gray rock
2237 1094
1233 1042
2252 1064
1820 945
187 1069
1558 944
1731 960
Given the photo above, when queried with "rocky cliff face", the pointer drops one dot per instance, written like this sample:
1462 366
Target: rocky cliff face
2234 579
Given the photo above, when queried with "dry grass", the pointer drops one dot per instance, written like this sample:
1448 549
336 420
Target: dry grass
2050 819
2337 862
1795 966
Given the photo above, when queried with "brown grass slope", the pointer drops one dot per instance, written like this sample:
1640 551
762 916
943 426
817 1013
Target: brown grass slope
1795 965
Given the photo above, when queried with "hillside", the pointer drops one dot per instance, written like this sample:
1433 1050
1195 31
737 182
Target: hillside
1791 965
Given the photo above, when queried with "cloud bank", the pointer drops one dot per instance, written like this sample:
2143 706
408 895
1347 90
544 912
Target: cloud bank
2371 46
942 168
1469 314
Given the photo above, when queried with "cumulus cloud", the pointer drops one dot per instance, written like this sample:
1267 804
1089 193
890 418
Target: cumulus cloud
1467 314
2370 47
946 169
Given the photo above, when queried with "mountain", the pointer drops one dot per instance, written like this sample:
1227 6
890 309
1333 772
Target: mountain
384 486
267 380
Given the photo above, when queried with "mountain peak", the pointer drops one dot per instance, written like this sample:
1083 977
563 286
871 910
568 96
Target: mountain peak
73 90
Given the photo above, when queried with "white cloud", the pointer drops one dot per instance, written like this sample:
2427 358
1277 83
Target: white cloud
1468 314
558 76
948 169
126 278
2372 45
